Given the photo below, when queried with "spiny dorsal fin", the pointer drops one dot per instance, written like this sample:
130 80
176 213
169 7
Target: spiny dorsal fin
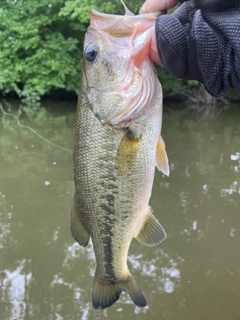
78 231
127 11
151 233
161 157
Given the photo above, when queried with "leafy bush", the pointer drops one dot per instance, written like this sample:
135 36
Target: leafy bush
41 50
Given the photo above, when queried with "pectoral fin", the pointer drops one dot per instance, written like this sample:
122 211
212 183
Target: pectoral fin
127 152
152 233
161 157
78 231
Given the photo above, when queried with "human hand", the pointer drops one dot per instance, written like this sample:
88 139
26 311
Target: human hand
155 6
200 41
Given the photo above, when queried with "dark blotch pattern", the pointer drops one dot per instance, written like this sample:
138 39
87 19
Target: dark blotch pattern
109 184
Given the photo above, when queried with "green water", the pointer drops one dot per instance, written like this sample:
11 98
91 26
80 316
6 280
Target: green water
194 274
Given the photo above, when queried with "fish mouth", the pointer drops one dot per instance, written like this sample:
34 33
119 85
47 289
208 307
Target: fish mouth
107 20
133 30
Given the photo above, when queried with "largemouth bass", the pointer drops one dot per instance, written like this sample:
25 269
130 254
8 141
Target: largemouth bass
116 148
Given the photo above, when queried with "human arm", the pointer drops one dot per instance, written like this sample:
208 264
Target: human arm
201 41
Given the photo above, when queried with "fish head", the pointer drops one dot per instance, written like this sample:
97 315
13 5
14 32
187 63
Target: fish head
116 64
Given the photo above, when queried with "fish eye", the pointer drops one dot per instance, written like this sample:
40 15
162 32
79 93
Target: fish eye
90 53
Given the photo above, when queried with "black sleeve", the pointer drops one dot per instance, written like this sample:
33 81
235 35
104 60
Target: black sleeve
201 41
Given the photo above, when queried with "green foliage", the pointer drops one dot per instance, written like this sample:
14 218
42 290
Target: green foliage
79 9
42 44
40 49
170 84
233 94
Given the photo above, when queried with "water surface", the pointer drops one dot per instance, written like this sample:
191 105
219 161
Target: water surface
194 274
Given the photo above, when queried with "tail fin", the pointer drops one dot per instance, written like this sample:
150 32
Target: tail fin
135 293
106 293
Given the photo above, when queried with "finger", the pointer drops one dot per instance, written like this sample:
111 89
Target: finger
153 52
157 5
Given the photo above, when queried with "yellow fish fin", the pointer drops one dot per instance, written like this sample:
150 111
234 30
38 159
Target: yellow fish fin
151 233
106 293
127 153
78 231
161 157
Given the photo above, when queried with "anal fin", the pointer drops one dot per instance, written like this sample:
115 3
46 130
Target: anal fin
78 231
161 157
151 233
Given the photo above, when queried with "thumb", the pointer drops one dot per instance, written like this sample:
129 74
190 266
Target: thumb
157 5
